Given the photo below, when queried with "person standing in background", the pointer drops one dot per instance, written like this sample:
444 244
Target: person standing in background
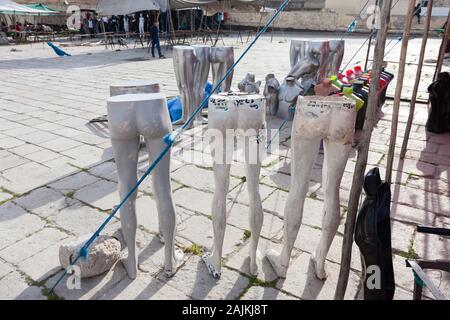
126 26
141 25
154 37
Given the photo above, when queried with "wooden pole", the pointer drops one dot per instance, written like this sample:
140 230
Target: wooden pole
442 49
363 151
416 84
398 89
370 39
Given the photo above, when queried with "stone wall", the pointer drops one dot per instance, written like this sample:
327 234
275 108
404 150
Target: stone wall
324 20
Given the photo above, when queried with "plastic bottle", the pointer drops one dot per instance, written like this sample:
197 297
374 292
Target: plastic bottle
361 92
358 71
342 78
348 92
350 75
336 83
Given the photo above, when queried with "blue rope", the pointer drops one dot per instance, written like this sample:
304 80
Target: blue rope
352 26
169 139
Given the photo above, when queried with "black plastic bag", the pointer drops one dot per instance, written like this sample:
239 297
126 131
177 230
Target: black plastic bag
439 117
373 237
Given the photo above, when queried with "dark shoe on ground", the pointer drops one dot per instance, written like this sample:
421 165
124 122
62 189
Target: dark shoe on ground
162 57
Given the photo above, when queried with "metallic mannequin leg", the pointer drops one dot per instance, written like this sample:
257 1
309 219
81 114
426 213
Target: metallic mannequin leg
126 155
256 217
222 58
335 58
336 155
305 154
129 117
162 189
201 73
184 61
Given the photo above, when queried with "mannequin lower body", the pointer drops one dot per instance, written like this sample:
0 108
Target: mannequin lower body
306 139
222 127
127 123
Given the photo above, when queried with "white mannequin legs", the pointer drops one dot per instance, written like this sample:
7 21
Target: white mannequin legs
228 113
316 118
222 58
130 116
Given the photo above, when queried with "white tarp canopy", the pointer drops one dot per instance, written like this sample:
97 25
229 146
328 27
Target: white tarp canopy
10 7
123 7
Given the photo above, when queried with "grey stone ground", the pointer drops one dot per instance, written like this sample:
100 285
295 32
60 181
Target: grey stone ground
58 181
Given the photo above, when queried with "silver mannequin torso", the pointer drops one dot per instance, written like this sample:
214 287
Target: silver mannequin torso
287 98
312 61
244 112
129 117
333 120
222 58
249 85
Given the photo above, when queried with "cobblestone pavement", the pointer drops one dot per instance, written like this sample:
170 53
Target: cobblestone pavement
58 181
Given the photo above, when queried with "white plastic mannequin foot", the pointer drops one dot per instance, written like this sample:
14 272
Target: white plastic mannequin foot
129 117
229 113
333 119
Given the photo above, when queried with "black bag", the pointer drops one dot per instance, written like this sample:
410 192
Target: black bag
439 117
373 237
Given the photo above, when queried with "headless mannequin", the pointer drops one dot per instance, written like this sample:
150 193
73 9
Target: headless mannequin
130 116
249 85
271 89
287 97
333 120
245 112
222 58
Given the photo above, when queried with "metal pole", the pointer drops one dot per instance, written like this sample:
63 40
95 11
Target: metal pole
363 151
398 90
416 84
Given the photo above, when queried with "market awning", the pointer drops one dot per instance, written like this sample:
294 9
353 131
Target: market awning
10 7
122 7
43 8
